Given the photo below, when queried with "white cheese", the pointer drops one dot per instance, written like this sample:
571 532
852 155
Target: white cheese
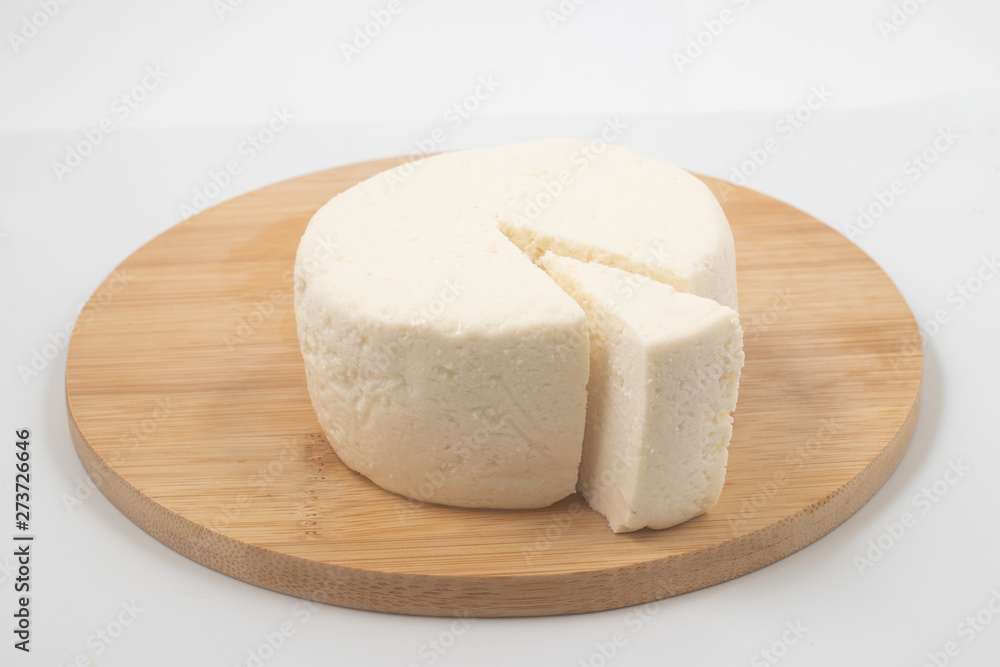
623 210
664 375
442 363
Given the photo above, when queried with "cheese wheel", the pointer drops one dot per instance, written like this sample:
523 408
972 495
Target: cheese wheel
444 364
664 377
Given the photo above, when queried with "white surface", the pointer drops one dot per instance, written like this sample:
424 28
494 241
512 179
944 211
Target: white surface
888 98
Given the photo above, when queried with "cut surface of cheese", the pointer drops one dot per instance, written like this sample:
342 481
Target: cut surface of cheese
664 376
444 364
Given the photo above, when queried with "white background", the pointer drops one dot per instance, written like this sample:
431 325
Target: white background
887 93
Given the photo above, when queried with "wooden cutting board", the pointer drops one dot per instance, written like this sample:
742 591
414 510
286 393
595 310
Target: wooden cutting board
188 407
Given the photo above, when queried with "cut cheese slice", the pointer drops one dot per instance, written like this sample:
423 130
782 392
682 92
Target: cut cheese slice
442 363
664 375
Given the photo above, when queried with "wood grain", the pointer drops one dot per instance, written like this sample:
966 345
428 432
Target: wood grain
188 407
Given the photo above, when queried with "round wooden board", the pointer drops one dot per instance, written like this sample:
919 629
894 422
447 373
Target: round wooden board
188 406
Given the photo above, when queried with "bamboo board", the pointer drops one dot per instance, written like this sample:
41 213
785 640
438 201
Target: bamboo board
188 407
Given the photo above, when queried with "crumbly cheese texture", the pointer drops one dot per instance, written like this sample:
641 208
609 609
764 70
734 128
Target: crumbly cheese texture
444 364
441 362
664 378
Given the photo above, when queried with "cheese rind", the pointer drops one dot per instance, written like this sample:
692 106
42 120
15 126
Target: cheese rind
664 379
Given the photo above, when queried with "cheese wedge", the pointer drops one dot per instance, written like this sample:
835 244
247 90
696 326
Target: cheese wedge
444 364
664 377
